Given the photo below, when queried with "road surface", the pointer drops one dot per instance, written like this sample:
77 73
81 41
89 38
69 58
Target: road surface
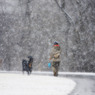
85 84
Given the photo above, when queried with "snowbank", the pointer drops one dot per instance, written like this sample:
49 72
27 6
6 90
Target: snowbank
19 84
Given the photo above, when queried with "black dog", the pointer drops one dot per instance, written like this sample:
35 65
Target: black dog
27 65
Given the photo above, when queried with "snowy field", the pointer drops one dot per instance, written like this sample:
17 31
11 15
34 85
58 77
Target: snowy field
22 84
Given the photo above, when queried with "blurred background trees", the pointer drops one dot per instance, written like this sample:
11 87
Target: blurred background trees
30 27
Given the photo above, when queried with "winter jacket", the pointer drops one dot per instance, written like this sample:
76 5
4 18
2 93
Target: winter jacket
55 53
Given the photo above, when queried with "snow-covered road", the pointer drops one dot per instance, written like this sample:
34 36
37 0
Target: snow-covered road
19 84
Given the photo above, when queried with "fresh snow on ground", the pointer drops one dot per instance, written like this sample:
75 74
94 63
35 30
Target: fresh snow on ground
23 84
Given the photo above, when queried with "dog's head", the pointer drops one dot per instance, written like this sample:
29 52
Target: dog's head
30 58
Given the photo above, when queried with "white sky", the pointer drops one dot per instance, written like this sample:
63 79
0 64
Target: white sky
19 84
